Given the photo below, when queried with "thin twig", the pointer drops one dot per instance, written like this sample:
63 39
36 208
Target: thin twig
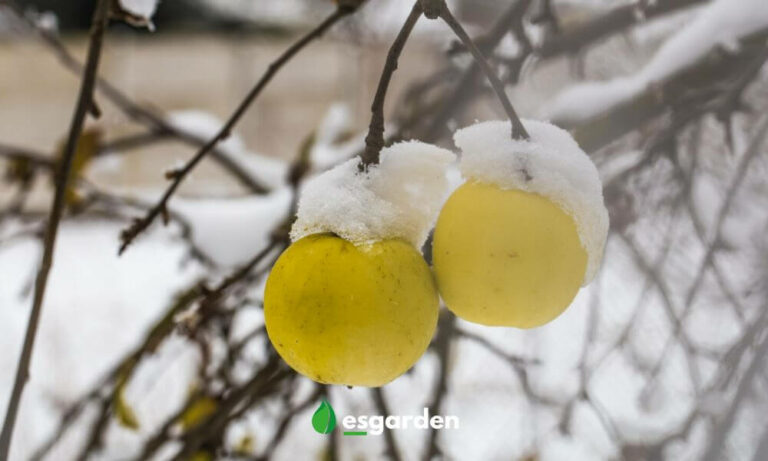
716 444
518 130
261 385
84 104
177 176
442 345
157 335
36 159
514 360
374 142
208 306
287 419
753 150
383 409
459 95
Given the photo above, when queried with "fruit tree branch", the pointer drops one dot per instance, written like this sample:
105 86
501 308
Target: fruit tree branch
178 176
443 12
84 105
374 142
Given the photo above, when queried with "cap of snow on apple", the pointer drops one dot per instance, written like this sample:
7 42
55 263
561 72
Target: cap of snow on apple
398 198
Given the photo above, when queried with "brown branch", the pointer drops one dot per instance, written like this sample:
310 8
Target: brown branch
36 159
457 95
261 385
134 141
383 409
96 203
518 130
208 309
461 89
332 450
374 142
666 298
287 419
375 138
514 360
105 390
648 285
509 20
177 176
753 150
716 442
99 198
446 328
84 103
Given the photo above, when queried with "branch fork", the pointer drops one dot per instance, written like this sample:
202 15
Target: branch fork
431 9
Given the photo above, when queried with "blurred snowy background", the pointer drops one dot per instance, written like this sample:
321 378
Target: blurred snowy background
662 357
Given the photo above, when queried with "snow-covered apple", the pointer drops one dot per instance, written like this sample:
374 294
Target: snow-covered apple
513 245
352 301
358 315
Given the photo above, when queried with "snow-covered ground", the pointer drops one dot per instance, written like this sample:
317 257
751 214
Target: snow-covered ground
98 307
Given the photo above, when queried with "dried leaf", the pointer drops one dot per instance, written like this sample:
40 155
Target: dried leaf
198 412
20 169
87 149
201 456
246 446
125 415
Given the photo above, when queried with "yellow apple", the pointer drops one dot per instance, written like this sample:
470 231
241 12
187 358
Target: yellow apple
357 315
506 257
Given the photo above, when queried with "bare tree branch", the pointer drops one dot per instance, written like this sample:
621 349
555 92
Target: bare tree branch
442 346
177 176
518 130
374 142
84 103
383 409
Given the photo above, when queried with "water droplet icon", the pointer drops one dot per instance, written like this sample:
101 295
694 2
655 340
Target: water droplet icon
324 419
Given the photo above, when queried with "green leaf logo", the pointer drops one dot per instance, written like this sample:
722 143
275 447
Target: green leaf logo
324 419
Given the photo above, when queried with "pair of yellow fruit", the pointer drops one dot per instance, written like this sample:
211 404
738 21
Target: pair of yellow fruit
362 315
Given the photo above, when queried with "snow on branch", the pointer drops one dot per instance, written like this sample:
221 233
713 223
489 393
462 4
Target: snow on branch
722 23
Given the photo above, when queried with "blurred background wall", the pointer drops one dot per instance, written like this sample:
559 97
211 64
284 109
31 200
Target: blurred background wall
204 56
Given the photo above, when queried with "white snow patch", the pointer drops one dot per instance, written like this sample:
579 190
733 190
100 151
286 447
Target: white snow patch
399 198
560 447
144 9
97 307
550 164
288 13
722 23
585 100
230 231
335 140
